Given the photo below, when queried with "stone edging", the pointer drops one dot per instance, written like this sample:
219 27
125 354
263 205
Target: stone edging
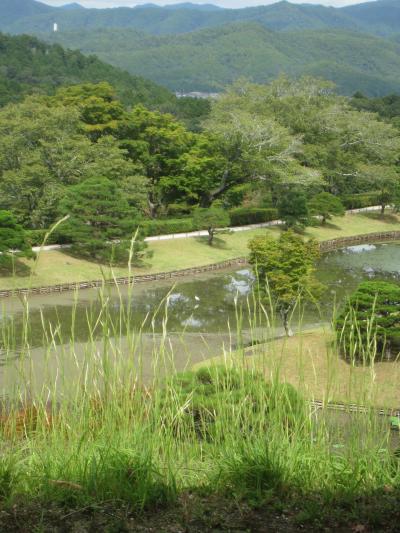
325 246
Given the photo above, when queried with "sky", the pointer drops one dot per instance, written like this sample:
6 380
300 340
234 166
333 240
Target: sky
222 3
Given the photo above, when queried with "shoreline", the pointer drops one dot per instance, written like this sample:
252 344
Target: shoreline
325 246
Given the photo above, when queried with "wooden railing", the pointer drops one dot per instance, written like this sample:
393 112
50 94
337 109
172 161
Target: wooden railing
325 246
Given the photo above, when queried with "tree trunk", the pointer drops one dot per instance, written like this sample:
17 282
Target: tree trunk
383 207
153 207
210 236
209 197
285 320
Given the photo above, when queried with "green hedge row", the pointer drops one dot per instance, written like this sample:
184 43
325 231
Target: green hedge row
358 201
241 216
165 227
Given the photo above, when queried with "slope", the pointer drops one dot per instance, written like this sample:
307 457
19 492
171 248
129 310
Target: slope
28 66
209 59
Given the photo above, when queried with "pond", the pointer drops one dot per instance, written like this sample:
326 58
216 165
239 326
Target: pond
206 304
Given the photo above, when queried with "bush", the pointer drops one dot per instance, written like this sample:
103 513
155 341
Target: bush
369 323
358 201
242 216
216 399
165 227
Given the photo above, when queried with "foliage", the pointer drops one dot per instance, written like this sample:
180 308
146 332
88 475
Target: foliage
210 219
167 226
213 390
284 270
292 209
368 326
13 241
101 221
360 200
241 216
326 205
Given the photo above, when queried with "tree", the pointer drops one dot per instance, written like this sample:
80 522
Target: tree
156 141
284 269
101 221
292 208
210 219
369 322
385 180
13 240
326 205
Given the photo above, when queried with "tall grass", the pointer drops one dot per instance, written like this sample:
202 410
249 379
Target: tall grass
108 421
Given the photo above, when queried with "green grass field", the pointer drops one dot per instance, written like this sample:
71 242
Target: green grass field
59 267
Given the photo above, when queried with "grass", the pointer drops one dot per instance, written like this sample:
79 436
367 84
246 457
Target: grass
234 435
58 267
311 363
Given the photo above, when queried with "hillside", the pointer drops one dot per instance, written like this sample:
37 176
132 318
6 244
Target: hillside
209 59
28 65
380 17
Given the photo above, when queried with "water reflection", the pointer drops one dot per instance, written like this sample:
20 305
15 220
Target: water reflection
205 304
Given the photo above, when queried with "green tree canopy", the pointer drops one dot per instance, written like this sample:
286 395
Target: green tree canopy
100 220
326 205
292 208
284 269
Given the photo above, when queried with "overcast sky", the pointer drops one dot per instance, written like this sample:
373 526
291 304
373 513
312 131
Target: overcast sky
223 3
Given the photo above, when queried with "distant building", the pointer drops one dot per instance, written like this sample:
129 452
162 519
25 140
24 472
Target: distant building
196 94
55 27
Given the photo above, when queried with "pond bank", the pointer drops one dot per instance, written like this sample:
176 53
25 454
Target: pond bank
325 246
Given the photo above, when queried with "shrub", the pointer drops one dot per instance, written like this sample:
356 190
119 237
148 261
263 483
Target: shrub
369 324
292 208
252 215
216 402
163 227
358 201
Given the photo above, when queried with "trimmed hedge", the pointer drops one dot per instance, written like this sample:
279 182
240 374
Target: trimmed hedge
242 216
358 201
165 227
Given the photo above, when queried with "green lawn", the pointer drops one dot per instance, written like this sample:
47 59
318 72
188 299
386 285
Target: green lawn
58 267
310 363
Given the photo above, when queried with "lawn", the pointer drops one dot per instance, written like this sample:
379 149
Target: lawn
310 363
55 267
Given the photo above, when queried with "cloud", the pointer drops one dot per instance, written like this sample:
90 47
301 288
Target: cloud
222 3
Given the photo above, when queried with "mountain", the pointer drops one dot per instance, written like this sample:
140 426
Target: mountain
382 17
28 65
72 6
208 59
183 18
13 10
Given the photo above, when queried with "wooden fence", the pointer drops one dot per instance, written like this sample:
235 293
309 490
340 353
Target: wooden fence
325 246
125 280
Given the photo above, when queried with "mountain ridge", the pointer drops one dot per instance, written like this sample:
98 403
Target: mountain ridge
186 17
209 59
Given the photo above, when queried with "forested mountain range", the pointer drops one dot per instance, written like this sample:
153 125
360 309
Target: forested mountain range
30 66
209 59
381 17
188 47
